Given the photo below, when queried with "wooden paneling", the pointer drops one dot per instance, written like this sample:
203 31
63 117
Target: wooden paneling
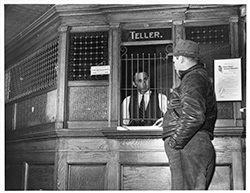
40 177
145 177
87 177
88 103
33 164
36 146
14 177
38 110
151 177
99 163
9 117
222 179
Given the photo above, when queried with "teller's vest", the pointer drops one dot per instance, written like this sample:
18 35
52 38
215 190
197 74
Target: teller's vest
152 113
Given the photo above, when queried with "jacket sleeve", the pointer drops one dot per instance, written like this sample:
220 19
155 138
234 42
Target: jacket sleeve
192 114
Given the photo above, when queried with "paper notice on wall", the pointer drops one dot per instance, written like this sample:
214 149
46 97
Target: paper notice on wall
227 79
100 70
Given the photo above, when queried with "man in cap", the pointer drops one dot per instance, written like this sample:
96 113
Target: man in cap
188 125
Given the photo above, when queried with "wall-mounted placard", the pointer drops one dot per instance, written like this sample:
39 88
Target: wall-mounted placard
227 79
100 70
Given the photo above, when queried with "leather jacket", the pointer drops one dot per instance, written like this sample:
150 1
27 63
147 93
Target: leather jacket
192 108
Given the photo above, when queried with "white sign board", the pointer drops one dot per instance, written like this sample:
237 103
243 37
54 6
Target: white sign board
100 70
227 79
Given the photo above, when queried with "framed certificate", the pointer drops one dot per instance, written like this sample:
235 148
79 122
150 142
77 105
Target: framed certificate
227 79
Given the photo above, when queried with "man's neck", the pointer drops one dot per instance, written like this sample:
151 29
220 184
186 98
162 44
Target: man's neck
147 92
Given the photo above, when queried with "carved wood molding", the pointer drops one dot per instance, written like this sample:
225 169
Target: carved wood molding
108 132
219 132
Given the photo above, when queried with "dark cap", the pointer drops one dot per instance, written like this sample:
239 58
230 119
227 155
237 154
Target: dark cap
186 48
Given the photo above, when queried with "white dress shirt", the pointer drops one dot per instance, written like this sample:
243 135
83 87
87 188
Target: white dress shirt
125 104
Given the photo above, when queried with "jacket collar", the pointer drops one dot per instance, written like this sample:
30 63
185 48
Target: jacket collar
182 73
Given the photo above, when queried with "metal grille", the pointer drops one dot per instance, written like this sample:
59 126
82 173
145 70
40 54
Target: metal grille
214 44
86 50
34 73
153 60
208 34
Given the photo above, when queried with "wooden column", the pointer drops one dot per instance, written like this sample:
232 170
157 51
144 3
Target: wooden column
60 174
237 167
234 40
114 114
61 167
113 165
62 70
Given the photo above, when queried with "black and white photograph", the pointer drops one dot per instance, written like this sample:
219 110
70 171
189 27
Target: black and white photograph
123 96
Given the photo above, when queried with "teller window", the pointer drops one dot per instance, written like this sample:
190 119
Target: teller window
146 75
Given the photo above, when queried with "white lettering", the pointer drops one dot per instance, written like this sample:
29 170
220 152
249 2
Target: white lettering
145 35
137 36
151 35
157 34
132 35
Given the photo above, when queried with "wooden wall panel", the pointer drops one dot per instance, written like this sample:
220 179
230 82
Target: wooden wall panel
21 157
9 117
143 157
79 144
38 110
151 177
88 103
87 177
141 144
36 145
40 177
14 176
145 177
222 178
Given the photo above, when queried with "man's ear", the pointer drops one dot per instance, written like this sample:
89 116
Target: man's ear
134 84
181 58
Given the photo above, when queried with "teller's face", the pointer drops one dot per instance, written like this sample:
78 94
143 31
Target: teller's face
141 82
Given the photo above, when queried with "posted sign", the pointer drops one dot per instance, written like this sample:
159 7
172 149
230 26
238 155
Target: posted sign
227 79
100 70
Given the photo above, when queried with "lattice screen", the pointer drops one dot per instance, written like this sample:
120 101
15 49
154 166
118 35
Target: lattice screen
34 73
214 44
86 50
208 34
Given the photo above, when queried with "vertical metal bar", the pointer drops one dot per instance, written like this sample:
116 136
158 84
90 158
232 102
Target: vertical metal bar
161 87
149 74
132 90
143 69
143 63
155 85
138 67
126 83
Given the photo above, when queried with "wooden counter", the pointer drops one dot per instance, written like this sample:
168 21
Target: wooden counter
108 159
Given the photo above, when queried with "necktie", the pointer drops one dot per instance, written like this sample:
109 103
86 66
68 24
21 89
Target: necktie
142 108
